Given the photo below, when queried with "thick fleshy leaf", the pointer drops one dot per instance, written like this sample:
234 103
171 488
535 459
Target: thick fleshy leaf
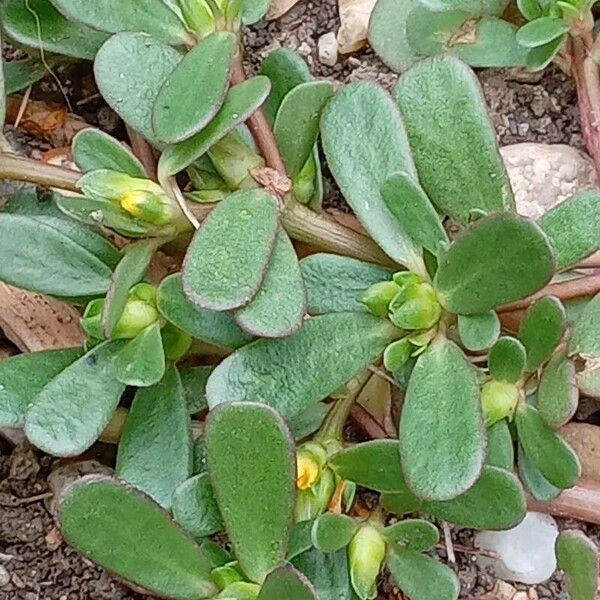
430 33
478 332
542 329
178 113
421 577
94 149
327 572
193 380
333 283
122 530
413 534
217 328
300 539
445 115
558 395
585 338
475 7
588 380
554 458
195 508
130 69
141 362
388 34
407 201
332 532
506 257
342 344
530 9
372 464
507 360
539 58
297 124
45 258
577 557
253 11
22 377
130 270
442 438
38 24
152 17
286 582
500 451
20 74
537 485
364 118
229 255
541 31
573 228
280 305
252 467
241 101
71 411
155 451
286 69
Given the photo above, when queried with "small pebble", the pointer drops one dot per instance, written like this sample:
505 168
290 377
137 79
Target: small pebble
328 49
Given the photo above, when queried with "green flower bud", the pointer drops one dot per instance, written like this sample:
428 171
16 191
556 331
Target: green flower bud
91 322
404 278
415 307
396 354
499 400
313 501
366 553
198 16
226 575
176 342
378 297
240 590
140 312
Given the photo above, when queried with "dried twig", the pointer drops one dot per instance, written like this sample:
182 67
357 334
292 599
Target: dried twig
448 543
144 152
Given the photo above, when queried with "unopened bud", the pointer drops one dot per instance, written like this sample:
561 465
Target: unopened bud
240 590
140 312
499 400
366 553
378 297
311 457
198 16
226 575
147 206
415 307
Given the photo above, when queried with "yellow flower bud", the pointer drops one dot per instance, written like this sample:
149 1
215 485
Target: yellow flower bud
308 472
366 553
147 206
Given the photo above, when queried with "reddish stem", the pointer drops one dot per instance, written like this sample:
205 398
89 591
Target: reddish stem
144 152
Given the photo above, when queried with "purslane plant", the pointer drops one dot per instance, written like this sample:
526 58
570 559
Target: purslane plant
271 337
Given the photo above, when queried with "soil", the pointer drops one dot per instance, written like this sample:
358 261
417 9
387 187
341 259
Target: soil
34 562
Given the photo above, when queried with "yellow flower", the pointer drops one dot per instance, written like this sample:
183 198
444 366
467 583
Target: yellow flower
308 472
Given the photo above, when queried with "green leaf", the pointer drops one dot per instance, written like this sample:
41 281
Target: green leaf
286 69
421 577
124 531
130 270
241 101
45 258
213 327
430 33
341 344
530 9
229 255
333 283
130 69
297 124
151 17
413 534
478 332
363 111
332 532
254 11
507 360
475 7
500 450
541 31
280 305
388 34
37 24
155 451
193 380
497 260
554 458
537 485
558 395
94 149
577 556
300 539
195 508
373 464
22 377
542 329
446 117
442 438
573 228
287 582
141 362
327 572
71 411
178 113
252 468
20 74
410 205
539 58
585 338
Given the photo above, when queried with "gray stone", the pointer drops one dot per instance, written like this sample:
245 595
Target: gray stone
328 49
